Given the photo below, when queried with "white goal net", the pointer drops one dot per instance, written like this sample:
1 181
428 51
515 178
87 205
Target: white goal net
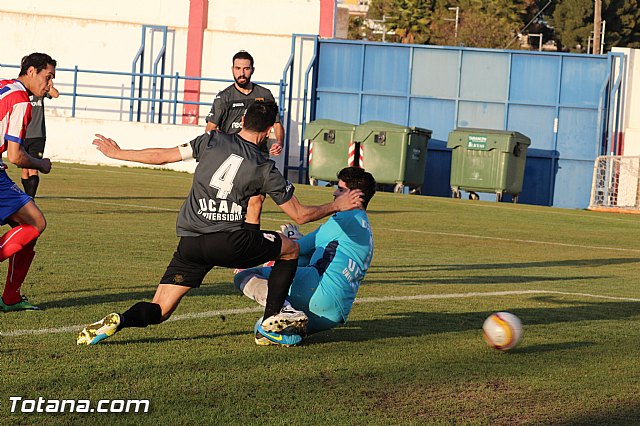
616 184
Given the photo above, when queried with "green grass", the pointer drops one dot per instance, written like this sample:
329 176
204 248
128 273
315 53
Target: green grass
111 232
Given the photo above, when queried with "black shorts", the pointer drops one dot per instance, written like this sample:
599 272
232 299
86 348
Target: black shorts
34 147
195 256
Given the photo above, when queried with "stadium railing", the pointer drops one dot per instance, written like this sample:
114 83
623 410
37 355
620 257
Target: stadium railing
157 97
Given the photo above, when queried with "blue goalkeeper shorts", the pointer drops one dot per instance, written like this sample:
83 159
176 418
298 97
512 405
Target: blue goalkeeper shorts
12 198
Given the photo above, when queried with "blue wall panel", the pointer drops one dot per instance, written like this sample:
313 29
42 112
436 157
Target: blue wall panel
577 131
334 59
481 115
437 115
582 79
441 88
338 106
573 184
439 81
384 108
437 171
386 70
539 178
536 122
484 76
534 79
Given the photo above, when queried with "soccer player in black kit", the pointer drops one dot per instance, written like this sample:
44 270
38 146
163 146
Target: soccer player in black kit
229 107
230 170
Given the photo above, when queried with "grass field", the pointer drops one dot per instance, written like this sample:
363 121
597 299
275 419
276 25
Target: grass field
411 353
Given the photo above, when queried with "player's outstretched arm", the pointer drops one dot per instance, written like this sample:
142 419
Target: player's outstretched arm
348 200
157 156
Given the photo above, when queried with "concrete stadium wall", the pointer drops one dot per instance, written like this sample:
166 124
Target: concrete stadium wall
69 140
107 35
631 105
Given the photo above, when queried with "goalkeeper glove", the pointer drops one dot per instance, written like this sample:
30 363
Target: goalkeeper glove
291 231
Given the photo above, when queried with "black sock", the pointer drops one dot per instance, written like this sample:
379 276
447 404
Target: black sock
35 181
278 285
251 226
26 184
30 185
141 314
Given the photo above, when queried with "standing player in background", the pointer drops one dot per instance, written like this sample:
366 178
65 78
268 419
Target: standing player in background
210 223
17 209
35 139
333 261
226 115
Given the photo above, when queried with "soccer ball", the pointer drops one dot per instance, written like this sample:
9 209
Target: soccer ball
502 330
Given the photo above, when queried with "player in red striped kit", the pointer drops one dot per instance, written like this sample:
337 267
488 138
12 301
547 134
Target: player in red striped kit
17 209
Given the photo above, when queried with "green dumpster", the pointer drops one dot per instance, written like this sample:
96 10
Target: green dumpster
485 160
394 154
328 148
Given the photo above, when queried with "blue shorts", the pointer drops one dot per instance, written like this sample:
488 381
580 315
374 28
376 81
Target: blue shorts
310 295
12 198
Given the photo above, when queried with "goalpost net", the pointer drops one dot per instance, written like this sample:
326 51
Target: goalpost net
616 184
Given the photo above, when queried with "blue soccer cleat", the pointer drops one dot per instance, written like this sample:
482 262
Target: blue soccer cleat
266 338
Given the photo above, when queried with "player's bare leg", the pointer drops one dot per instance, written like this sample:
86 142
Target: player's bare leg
141 314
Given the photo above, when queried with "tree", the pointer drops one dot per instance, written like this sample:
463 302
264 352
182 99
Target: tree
622 26
572 21
411 19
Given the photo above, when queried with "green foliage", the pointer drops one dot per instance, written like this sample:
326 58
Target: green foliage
411 352
496 23
411 20
572 21
622 23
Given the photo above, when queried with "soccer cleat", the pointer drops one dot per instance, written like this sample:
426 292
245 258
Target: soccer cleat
289 319
266 338
98 331
268 264
22 305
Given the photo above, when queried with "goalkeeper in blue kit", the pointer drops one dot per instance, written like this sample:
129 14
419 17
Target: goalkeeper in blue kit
334 259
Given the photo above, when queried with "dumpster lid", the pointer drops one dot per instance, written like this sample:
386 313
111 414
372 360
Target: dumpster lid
314 128
374 126
490 132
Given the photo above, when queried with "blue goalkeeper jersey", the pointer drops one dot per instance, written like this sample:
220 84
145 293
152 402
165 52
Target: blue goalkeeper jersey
341 250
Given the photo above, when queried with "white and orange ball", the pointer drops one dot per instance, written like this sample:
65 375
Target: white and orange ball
502 330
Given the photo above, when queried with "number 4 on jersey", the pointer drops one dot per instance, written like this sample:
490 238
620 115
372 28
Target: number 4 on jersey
223 178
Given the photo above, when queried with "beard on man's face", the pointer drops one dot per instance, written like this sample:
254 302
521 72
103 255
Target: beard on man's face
243 81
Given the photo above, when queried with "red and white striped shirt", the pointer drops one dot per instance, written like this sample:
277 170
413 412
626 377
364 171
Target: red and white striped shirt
15 113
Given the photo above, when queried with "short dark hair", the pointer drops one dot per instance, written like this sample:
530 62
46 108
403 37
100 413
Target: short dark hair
356 178
260 116
37 60
243 54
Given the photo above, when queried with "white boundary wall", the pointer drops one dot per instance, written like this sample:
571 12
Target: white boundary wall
106 36
99 35
631 105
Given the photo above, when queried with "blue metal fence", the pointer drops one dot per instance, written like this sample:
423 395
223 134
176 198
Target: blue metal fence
154 101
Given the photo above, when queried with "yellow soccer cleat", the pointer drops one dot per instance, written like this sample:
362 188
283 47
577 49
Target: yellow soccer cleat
98 331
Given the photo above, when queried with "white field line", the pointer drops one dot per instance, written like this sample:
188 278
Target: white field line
442 200
515 240
210 314
413 231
